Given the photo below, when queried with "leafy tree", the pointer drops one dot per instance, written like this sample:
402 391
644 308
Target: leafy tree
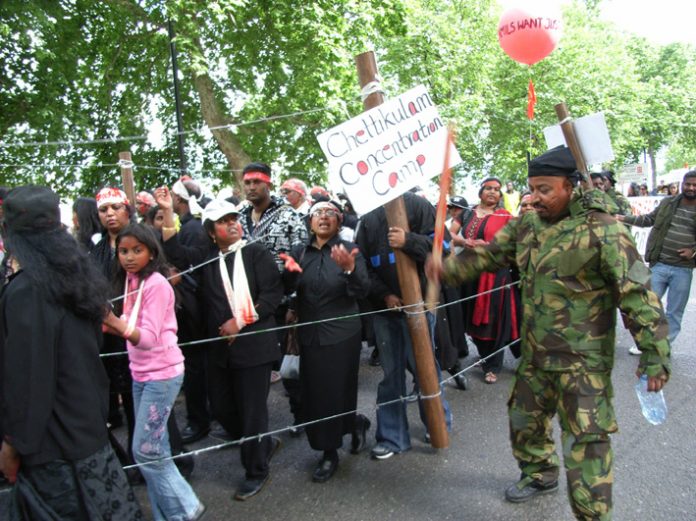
85 70
665 88
82 70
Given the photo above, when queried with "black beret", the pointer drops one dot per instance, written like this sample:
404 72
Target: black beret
31 209
555 162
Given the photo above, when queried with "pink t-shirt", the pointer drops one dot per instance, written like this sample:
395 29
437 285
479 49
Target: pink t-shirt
157 356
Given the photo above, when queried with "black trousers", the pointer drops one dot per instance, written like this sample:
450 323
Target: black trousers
196 384
485 348
238 399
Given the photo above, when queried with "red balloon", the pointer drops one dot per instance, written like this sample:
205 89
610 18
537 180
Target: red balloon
529 33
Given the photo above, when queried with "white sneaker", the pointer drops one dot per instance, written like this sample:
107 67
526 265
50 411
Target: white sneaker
635 351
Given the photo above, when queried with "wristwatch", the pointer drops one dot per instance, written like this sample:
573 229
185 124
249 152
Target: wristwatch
348 272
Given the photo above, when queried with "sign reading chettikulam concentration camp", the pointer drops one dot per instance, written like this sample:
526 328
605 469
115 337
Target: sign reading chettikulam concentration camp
387 150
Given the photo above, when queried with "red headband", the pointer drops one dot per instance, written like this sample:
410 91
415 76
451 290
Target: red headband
259 176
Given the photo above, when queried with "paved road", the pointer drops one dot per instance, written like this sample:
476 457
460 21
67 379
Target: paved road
654 466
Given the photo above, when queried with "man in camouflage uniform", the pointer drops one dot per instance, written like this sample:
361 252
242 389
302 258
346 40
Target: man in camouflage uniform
619 199
576 266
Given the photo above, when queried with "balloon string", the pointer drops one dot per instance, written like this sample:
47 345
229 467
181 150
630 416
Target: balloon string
530 111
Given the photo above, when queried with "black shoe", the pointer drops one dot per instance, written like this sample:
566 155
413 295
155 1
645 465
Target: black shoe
374 358
325 469
359 439
191 433
460 379
526 488
250 487
185 465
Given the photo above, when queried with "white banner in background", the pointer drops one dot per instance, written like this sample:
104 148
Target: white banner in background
641 206
384 152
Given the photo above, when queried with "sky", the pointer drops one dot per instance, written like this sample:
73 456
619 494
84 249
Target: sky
661 21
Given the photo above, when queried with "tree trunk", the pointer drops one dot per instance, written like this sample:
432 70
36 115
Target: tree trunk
653 166
214 116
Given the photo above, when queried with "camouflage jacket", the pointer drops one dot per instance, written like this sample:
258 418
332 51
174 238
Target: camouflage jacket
621 201
573 275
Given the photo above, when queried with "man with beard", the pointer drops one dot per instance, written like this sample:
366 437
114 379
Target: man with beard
671 249
577 265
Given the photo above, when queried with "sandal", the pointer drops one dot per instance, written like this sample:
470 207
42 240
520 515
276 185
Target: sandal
490 377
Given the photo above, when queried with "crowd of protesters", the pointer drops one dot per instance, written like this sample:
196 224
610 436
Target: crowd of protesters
178 267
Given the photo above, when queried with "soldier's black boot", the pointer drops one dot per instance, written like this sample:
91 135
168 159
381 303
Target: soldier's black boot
527 488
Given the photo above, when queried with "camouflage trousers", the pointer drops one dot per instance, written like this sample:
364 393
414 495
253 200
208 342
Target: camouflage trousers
586 415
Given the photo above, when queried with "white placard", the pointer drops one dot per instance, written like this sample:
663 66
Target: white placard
636 173
384 152
593 138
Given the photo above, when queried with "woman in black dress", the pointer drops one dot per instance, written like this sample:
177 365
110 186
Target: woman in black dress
334 276
53 387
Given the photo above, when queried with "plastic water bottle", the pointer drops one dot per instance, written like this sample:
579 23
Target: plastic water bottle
652 404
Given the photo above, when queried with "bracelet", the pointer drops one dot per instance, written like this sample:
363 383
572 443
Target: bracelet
169 228
348 272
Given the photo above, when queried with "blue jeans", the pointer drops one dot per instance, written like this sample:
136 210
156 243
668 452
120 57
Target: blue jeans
171 497
676 281
395 356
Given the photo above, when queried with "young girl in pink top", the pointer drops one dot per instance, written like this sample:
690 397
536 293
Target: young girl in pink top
148 324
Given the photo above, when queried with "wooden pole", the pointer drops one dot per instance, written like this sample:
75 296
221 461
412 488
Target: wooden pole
572 142
409 283
127 176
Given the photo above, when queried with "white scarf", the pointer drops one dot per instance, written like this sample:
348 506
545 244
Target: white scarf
132 315
238 294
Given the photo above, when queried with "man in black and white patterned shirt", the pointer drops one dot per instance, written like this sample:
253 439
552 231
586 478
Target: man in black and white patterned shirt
671 249
274 223
278 227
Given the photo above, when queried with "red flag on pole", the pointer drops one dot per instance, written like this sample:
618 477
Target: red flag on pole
433 289
531 100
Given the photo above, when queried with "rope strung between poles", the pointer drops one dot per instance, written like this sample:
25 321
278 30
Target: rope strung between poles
403 309
110 140
406 399
258 437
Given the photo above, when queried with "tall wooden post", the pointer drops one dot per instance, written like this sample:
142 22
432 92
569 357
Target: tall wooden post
410 288
572 142
127 176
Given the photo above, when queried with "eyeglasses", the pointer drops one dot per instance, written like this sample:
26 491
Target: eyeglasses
326 212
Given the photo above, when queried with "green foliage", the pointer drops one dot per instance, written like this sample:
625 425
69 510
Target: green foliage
73 70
